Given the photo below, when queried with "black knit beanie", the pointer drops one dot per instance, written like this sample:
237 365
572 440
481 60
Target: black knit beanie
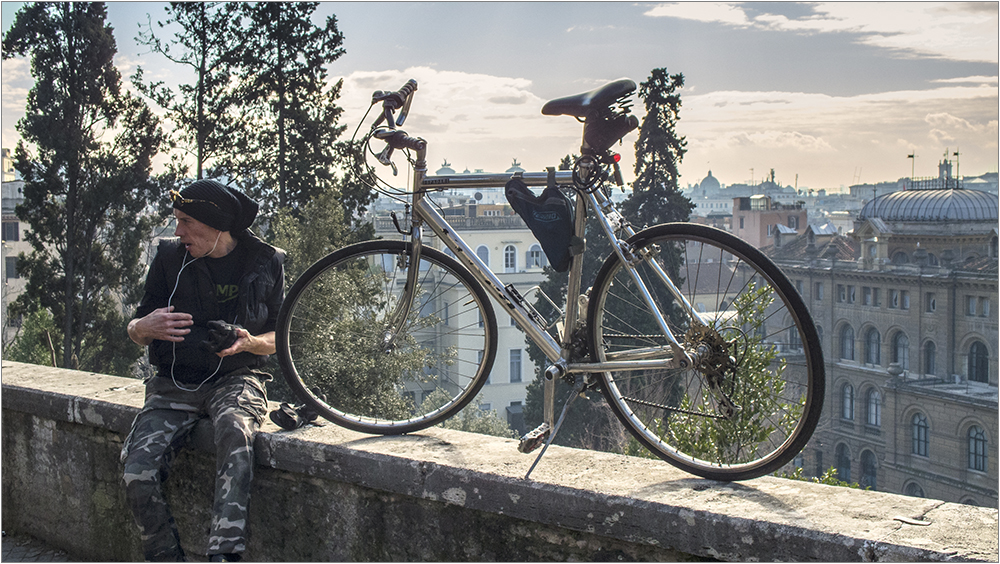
218 206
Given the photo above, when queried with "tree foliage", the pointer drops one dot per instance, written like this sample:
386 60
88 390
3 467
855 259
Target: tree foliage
85 157
285 151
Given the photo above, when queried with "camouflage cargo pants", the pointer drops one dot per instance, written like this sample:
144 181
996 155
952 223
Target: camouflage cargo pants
236 404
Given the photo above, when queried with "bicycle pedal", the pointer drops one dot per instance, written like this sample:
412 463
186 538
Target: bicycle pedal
534 439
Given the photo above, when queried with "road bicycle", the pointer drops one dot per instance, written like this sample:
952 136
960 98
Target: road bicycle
699 344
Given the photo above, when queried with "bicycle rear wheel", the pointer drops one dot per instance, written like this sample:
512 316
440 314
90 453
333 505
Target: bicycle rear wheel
754 395
343 355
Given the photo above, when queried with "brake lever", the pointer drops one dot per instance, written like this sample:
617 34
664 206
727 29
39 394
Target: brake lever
385 157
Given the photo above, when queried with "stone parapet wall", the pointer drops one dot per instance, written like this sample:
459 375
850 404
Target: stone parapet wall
329 494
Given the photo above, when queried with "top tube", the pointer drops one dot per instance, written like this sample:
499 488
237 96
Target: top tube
493 180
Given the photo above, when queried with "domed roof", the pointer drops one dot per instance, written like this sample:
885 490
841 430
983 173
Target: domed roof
932 205
710 183
445 169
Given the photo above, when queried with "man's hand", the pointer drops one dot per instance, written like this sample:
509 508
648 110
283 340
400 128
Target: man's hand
161 324
245 342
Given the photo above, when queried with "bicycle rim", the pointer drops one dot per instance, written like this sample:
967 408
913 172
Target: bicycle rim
341 352
755 395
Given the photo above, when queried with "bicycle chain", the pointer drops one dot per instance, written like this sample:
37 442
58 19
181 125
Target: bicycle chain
674 409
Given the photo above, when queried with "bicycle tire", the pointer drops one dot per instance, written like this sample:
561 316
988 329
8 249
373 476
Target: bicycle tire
333 338
763 350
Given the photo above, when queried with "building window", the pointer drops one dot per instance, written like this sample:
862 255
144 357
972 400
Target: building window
847 401
515 365
904 299
799 288
741 222
10 268
970 305
873 347
901 350
483 252
843 463
977 449
893 298
870 296
930 302
913 489
851 295
818 294
979 357
847 343
869 470
985 305
920 432
509 259
930 358
874 408
536 258
11 232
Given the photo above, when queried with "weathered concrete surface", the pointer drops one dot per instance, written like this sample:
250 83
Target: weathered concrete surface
326 493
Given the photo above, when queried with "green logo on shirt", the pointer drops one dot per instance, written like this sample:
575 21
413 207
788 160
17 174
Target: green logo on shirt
226 292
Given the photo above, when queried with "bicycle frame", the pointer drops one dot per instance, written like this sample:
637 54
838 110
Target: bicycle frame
556 352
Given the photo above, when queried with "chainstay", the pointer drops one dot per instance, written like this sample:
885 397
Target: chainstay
673 409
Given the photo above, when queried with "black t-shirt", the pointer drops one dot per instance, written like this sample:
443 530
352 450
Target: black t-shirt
226 272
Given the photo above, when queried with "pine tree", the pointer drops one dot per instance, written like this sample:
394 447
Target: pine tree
655 196
85 157
208 42
286 149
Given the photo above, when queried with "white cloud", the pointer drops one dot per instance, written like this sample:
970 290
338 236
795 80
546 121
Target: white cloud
823 136
953 30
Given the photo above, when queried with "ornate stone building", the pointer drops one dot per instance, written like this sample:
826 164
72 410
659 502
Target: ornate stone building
906 306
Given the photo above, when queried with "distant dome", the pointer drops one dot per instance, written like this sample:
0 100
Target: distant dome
932 205
445 169
515 167
710 183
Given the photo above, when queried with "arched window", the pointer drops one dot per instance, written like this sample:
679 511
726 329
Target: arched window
536 258
843 463
869 470
874 408
873 347
847 343
930 358
913 489
977 448
483 252
509 259
979 358
847 401
900 257
901 350
920 432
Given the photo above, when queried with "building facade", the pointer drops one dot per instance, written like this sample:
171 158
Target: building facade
906 307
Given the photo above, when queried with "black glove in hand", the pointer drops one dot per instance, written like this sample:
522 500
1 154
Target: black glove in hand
221 336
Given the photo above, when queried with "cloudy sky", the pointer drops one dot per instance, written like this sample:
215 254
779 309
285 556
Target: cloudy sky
826 94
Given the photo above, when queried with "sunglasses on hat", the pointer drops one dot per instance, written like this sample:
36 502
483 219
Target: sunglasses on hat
175 197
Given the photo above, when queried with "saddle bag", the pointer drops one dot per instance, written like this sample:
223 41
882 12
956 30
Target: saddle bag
550 218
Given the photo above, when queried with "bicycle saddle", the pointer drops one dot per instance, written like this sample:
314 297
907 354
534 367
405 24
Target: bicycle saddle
579 105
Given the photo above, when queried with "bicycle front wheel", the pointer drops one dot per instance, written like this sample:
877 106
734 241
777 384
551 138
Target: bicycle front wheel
753 395
351 351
